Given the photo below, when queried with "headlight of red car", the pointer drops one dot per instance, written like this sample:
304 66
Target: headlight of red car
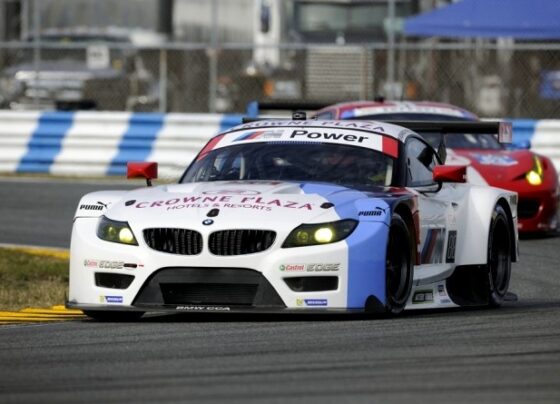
535 176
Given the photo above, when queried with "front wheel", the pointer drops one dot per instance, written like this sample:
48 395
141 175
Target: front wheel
499 257
114 316
399 264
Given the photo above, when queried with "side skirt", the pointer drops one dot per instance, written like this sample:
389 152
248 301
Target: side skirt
430 296
469 285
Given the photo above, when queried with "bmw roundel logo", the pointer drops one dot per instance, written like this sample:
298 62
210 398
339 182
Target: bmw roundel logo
207 222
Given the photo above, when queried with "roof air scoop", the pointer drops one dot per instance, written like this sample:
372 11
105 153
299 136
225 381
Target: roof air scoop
299 116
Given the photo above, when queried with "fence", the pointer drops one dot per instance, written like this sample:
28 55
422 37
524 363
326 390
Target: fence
218 61
521 81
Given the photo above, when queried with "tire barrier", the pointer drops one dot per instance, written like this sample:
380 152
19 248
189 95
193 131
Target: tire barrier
93 144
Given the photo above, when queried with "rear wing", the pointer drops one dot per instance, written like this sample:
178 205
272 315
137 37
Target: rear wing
255 108
502 129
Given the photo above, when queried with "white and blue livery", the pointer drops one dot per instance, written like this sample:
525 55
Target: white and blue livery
303 216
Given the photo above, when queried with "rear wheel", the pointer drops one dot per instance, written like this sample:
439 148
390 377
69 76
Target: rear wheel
398 275
116 316
499 257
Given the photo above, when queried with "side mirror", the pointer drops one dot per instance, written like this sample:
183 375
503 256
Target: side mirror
146 170
450 173
442 150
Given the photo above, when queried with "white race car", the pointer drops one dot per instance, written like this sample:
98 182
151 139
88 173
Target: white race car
299 215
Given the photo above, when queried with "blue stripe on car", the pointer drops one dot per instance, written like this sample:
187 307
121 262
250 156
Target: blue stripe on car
45 142
366 245
136 143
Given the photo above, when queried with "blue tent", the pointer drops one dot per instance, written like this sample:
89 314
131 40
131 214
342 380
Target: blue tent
519 19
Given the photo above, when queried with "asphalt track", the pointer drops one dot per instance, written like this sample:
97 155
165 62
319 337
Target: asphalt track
511 354
40 211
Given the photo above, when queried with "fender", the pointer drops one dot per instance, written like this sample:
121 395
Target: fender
472 243
406 204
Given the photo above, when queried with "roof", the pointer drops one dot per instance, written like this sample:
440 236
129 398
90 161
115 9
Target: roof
370 126
136 36
520 19
379 136
357 109
383 137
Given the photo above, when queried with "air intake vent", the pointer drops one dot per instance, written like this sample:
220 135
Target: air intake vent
239 242
237 287
209 293
174 241
527 208
312 283
113 281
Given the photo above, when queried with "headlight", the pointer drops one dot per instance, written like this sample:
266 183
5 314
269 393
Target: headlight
117 232
320 233
535 176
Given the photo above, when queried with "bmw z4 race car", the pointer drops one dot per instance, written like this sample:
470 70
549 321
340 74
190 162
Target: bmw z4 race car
531 175
299 216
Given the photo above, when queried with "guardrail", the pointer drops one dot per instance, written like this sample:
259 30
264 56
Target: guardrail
545 137
100 143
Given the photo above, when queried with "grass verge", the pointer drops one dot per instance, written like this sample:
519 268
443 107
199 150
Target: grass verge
32 278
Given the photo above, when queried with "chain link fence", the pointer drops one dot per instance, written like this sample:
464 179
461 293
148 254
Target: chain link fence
521 82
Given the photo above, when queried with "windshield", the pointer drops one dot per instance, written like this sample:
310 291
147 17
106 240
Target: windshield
318 162
340 17
364 18
455 141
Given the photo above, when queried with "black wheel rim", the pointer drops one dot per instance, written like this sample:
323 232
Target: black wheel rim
397 267
500 258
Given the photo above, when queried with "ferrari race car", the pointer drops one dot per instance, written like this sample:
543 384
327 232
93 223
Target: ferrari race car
299 216
531 175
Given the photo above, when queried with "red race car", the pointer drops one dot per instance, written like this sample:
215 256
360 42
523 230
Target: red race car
531 175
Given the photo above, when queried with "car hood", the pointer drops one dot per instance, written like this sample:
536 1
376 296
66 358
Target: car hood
229 204
497 167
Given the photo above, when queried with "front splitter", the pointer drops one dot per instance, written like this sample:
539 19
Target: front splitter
192 308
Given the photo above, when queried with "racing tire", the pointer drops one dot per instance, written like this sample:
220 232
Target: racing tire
499 257
398 266
114 316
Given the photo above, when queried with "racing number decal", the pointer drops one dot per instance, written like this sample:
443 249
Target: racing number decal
451 243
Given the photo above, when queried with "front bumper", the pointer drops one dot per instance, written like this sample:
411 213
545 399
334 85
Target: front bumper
142 279
216 287
538 211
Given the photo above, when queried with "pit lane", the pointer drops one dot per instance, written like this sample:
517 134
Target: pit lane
510 354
